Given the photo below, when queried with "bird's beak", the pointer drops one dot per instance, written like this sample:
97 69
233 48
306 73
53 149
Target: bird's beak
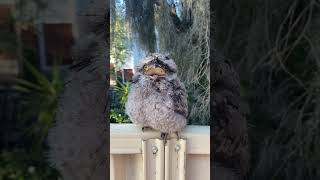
154 70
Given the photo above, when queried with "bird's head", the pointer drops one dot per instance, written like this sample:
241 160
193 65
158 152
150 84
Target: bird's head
157 66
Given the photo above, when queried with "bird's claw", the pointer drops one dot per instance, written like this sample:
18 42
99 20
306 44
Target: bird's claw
164 137
177 134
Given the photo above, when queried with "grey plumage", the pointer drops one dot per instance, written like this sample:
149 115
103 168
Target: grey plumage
78 140
157 100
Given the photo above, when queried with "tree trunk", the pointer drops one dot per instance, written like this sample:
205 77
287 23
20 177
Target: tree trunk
78 141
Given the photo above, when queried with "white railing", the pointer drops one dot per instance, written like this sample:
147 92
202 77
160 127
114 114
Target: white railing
137 155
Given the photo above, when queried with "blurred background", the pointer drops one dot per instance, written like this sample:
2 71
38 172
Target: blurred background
177 27
36 38
274 46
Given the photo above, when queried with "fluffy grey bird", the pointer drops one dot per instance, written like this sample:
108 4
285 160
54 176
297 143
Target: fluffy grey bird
157 98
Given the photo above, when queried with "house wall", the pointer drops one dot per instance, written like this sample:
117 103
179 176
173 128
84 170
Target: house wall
8 58
55 31
61 11
58 31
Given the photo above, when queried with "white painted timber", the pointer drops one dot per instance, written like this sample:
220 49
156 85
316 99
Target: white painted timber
175 159
153 159
137 155
126 138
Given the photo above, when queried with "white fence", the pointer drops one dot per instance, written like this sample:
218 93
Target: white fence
137 155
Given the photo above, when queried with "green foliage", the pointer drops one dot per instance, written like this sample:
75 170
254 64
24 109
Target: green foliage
118 115
119 51
40 100
25 165
39 96
122 89
119 37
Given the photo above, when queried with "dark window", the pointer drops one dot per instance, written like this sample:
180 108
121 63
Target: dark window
58 43
8 57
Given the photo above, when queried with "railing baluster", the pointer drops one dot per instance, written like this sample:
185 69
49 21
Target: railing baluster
154 161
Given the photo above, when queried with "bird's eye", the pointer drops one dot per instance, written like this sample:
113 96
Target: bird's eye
144 67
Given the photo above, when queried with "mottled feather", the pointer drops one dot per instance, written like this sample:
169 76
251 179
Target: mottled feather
179 98
159 102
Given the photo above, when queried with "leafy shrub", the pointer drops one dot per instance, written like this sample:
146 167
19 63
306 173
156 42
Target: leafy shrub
26 160
25 165
120 93
39 101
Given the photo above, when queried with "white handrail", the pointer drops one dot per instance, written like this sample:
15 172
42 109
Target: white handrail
126 138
